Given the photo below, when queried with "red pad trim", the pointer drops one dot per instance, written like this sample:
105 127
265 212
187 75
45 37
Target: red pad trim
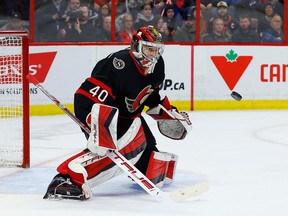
166 103
105 117
156 169
170 170
63 168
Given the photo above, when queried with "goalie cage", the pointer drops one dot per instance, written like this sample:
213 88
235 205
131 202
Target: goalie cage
14 100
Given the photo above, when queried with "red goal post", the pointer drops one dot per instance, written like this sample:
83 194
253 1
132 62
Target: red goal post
14 100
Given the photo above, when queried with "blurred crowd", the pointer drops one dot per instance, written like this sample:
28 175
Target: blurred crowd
86 20
242 21
90 20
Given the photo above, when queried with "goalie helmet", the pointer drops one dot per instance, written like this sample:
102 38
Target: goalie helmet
147 36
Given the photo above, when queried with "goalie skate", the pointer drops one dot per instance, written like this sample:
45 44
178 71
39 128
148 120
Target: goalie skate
62 188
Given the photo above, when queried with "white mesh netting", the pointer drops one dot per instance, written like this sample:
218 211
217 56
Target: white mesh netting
11 102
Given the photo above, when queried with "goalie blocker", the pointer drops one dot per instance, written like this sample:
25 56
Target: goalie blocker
85 170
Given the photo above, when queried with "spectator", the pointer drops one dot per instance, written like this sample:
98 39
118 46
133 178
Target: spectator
104 12
104 33
14 23
230 23
120 12
170 18
131 6
203 21
187 32
73 7
211 6
218 33
162 28
255 23
48 20
145 17
80 29
209 12
265 19
244 33
278 6
159 21
275 33
127 30
71 11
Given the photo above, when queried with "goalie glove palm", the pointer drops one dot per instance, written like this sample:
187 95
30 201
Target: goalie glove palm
171 123
178 128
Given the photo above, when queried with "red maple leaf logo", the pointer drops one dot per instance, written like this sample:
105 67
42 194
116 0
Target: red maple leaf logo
231 67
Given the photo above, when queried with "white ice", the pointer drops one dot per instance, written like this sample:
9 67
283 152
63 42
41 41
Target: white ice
243 155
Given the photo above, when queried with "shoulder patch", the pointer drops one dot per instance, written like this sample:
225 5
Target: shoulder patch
118 63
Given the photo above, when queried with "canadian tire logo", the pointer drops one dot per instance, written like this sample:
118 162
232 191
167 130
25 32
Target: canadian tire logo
39 66
231 67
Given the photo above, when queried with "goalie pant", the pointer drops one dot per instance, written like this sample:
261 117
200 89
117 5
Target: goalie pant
87 170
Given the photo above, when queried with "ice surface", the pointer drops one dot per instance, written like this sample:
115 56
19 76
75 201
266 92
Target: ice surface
243 155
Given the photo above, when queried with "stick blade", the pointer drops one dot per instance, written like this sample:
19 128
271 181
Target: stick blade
189 192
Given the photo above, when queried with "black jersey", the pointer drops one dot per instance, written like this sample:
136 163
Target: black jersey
118 81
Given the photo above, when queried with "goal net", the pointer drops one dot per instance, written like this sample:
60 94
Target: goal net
14 100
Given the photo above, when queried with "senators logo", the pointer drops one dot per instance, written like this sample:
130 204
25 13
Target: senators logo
133 104
118 63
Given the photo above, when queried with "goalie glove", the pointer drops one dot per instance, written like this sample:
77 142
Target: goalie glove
171 123
103 135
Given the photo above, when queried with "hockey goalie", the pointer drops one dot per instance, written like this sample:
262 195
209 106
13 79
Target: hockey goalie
111 102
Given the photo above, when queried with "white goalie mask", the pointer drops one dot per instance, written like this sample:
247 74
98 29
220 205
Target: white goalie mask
147 40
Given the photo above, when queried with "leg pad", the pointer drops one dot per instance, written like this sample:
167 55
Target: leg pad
161 167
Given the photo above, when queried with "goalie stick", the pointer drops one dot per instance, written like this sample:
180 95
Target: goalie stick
127 166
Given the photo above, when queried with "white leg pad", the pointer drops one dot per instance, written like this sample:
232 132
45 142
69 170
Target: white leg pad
88 170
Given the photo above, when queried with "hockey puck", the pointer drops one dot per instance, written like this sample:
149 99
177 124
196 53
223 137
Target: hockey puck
236 96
